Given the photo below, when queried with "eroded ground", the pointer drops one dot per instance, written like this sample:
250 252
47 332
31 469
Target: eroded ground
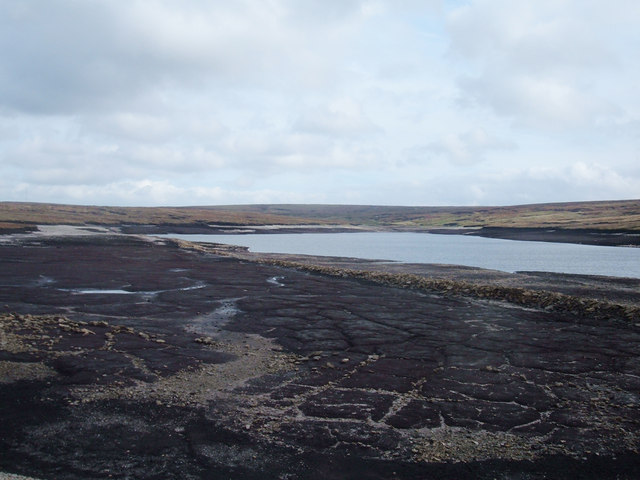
120 358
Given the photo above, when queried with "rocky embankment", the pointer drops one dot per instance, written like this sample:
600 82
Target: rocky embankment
593 310
624 238
589 309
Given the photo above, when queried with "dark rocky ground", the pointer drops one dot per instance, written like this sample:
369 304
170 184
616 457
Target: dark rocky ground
216 367
583 236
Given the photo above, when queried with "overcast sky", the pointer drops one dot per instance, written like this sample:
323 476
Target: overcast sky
405 102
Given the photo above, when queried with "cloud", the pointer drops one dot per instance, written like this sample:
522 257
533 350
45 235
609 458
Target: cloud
549 36
558 183
66 160
147 192
601 178
370 101
342 117
265 153
468 148
545 103
65 56
136 126
545 65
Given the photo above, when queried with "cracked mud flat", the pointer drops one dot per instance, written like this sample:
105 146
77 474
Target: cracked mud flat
123 358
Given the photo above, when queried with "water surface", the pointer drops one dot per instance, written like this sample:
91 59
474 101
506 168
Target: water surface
496 254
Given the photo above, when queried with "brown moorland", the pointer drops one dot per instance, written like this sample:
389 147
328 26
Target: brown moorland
25 215
623 215
602 215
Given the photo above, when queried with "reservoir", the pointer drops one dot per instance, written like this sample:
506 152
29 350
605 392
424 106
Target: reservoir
496 254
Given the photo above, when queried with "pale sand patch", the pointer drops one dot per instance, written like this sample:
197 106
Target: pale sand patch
70 230
13 476
255 356
60 231
13 371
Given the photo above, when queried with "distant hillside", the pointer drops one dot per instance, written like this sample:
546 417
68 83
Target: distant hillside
621 215
610 216
17 215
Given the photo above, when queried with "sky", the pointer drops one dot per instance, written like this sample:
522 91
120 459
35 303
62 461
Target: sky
403 102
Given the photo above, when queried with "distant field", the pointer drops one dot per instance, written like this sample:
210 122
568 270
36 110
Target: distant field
612 215
15 214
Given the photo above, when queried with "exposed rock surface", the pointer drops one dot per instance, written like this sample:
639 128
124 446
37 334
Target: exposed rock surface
122 358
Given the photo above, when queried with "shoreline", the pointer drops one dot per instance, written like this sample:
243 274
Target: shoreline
580 236
502 256
611 238
597 296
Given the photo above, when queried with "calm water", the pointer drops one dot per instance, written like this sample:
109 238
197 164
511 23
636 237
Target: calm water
497 254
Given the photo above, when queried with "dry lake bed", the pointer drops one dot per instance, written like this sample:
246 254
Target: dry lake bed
132 358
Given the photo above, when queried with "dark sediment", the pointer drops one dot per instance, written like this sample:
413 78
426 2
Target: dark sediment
218 367
17 228
610 238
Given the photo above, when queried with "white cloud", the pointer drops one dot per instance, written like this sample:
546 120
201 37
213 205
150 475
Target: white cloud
602 178
542 103
369 101
136 126
342 117
469 147
546 64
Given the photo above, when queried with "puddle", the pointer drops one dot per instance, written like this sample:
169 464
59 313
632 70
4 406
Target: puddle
119 291
44 280
276 281
184 289
97 291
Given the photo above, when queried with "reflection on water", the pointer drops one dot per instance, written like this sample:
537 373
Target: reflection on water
98 291
492 253
275 281
116 291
